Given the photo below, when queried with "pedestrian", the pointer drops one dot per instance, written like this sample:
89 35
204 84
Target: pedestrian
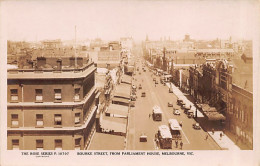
220 136
176 143
149 116
181 144
213 131
207 136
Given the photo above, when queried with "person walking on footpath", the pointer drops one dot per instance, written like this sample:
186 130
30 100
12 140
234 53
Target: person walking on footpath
176 143
220 135
213 131
149 116
207 136
181 144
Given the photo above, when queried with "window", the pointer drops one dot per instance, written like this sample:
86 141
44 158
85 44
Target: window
77 144
38 95
39 119
57 95
39 144
15 144
77 118
58 144
57 119
14 120
14 94
76 96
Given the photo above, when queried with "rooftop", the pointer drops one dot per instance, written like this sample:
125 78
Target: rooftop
123 90
51 73
243 74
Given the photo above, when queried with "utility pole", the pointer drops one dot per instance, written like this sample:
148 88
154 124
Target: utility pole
75 47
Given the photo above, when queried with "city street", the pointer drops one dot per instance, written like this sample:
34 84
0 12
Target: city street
140 121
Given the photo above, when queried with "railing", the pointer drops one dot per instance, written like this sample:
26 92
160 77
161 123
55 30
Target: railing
46 70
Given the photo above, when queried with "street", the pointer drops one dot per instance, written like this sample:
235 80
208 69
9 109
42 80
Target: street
140 121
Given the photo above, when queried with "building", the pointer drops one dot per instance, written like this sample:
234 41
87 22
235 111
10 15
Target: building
50 108
240 115
240 111
108 59
195 82
51 44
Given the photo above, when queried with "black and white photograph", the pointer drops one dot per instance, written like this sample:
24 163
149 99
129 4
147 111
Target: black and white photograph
130 78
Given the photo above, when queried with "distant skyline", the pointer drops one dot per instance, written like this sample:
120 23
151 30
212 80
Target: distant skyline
202 20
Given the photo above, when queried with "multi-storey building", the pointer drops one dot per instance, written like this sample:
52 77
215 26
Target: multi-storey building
52 106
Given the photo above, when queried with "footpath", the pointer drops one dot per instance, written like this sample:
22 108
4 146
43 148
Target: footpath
224 142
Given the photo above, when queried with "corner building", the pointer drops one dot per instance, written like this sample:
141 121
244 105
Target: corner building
51 108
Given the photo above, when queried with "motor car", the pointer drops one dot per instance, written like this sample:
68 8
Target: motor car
133 92
176 112
196 126
156 82
170 104
143 94
154 79
133 87
143 138
133 97
140 86
179 101
170 90
132 103
190 115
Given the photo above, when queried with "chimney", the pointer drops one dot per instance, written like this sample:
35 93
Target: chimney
41 61
30 64
108 66
59 64
72 61
80 61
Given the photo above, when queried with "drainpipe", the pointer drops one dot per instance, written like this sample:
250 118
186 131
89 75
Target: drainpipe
23 114
22 91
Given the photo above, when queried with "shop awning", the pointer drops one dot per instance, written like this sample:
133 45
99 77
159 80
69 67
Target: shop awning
215 116
122 100
211 113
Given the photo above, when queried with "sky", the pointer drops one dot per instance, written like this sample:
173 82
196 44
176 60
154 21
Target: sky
110 20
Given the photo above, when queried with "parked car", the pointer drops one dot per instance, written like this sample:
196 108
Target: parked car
170 90
132 103
170 104
140 86
196 126
176 112
133 97
190 115
156 82
154 79
143 138
143 94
